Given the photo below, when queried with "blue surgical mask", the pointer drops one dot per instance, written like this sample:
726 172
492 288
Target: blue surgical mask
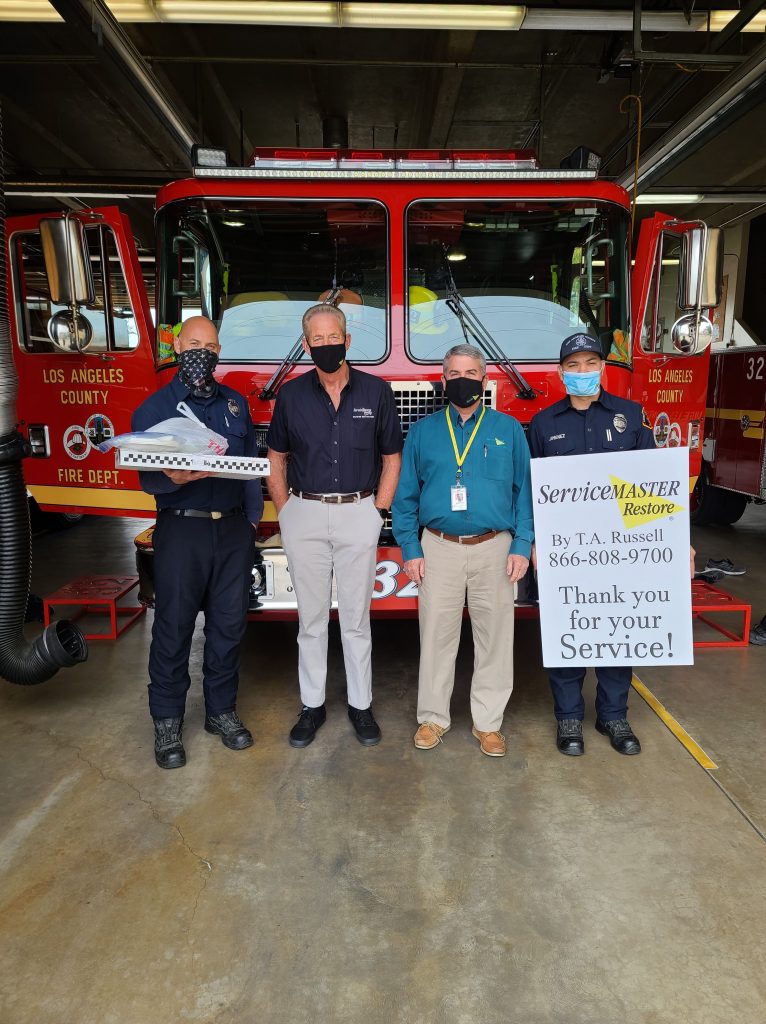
582 385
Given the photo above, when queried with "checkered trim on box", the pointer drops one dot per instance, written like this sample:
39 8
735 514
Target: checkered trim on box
163 460
229 464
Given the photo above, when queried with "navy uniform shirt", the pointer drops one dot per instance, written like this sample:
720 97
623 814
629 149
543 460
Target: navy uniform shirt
610 424
335 451
227 413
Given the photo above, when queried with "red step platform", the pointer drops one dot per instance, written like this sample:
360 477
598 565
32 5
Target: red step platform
707 600
98 595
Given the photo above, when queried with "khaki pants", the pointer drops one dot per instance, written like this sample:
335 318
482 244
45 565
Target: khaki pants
451 569
322 540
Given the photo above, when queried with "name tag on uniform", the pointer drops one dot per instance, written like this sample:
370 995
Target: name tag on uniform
459 498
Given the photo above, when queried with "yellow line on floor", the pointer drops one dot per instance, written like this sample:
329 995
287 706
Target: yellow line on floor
678 731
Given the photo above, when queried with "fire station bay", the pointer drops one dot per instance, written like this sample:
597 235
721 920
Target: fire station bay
383 506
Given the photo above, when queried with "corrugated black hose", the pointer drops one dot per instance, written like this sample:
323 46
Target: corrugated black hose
61 644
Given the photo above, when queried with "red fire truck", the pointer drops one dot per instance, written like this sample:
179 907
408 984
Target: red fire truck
422 250
733 469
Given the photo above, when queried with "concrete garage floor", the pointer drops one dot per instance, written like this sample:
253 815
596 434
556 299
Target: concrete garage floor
378 885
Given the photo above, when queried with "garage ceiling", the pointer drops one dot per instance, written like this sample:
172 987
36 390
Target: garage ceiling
74 128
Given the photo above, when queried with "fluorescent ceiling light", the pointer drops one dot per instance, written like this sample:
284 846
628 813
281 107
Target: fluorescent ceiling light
433 16
388 15
263 12
720 19
321 13
655 198
28 10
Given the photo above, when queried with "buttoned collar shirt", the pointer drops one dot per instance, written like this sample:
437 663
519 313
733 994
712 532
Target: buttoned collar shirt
227 413
609 424
495 474
335 451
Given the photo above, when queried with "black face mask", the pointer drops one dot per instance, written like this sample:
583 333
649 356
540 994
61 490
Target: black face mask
195 371
328 358
463 391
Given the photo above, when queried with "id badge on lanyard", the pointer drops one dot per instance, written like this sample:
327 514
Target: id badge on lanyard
458 492
459 497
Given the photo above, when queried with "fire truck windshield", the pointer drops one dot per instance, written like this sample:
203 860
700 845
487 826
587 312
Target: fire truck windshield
255 266
531 272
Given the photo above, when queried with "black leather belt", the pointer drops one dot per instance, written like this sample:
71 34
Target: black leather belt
334 499
199 513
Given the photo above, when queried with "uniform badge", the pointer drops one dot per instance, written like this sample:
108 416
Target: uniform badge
620 422
233 407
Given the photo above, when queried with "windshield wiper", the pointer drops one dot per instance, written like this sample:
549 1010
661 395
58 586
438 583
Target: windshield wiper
269 391
475 331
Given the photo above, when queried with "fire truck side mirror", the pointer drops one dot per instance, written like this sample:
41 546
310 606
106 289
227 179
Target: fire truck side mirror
701 272
67 263
185 282
691 335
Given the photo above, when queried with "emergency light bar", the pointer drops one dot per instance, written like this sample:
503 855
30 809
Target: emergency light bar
405 160
400 173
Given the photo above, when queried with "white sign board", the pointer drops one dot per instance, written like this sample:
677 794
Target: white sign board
612 539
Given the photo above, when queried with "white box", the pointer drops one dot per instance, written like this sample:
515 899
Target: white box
234 467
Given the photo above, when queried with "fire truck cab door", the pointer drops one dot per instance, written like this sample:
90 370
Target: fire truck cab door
671 386
71 401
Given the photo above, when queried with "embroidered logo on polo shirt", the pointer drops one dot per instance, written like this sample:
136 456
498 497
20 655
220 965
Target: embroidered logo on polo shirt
363 414
557 437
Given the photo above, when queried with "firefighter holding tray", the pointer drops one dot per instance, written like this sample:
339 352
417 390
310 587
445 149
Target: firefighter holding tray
203 553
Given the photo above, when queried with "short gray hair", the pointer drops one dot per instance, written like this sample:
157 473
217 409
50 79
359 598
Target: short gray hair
465 350
323 307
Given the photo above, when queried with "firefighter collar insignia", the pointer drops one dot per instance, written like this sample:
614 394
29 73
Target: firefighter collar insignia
234 407
620 422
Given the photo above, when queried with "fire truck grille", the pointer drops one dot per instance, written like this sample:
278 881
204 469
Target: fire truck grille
416 399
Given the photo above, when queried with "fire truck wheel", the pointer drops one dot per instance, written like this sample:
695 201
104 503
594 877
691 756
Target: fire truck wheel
713 504
733 505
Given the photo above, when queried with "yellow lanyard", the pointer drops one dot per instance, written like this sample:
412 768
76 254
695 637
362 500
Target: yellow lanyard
460 459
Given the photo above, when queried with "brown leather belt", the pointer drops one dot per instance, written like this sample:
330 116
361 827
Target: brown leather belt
334 499
476 539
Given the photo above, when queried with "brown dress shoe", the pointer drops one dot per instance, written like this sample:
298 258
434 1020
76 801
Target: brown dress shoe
429 735
492 743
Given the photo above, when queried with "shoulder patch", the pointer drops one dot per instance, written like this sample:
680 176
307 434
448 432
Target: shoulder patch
645 419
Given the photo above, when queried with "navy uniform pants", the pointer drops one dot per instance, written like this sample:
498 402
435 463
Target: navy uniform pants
611 692
199 565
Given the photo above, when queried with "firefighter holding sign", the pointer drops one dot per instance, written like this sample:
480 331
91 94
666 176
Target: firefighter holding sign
588 421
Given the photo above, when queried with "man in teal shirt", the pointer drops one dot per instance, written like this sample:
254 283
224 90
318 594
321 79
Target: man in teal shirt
465 481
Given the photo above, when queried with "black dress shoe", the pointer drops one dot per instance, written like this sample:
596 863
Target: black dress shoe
168 749
367 729
305 729
569 737
231 729
620 734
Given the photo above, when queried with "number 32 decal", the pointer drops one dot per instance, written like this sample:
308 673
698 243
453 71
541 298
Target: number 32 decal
387 582
754 368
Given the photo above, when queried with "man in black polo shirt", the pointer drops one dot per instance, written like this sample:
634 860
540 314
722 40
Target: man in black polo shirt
340 430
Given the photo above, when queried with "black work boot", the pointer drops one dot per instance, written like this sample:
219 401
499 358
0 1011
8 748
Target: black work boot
620 734
168 749
231 729
569 737
305 729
